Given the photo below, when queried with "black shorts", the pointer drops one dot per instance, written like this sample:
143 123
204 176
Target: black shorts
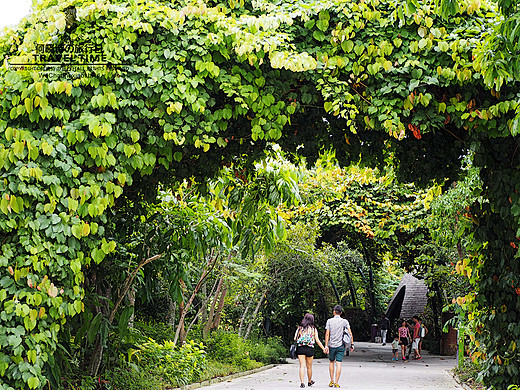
404 341
305 350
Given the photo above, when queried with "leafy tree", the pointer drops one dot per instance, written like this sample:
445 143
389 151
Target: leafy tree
368 212
299 281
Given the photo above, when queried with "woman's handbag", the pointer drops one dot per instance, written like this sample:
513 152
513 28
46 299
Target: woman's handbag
292 351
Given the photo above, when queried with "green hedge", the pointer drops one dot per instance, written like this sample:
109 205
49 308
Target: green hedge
229 347
176 365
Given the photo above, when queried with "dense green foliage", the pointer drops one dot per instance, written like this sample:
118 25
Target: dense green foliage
370 211
387 82
229 347
154 362
305 277
176 365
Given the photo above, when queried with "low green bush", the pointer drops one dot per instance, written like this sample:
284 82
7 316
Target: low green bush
216 369
229 348
158 331
80 383
267 351
176 365
132 377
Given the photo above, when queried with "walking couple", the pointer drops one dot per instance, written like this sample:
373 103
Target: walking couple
338 337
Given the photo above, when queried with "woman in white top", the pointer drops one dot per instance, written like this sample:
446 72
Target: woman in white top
306 336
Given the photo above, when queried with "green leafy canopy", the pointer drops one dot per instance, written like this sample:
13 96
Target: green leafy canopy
193 87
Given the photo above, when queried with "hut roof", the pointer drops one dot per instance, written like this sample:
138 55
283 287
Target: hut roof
409 299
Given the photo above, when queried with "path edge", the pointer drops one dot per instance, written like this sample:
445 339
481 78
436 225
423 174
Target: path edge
213 381
459 382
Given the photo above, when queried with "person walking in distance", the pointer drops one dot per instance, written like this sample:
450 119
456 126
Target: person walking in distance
335 328
395 348
410 325
416 337
422 333
404 336
384 324
306 336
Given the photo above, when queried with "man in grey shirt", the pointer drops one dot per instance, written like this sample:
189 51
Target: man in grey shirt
334 330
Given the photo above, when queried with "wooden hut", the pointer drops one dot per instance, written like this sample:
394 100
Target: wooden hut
409 299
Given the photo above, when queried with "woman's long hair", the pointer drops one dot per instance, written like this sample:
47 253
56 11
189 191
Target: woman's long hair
308 320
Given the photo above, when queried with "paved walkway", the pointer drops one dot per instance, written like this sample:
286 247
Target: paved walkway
370 366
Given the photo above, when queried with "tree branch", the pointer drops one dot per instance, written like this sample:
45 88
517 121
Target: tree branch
127 283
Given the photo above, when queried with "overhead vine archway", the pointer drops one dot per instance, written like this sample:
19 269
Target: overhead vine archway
192 86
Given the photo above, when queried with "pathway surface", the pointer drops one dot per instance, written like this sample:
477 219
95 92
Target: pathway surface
370 366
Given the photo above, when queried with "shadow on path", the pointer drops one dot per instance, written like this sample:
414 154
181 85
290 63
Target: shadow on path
370 366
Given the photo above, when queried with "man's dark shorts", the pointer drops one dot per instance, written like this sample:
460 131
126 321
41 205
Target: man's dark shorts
336 354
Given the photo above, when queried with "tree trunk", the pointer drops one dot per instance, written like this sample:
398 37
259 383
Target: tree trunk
216 320
371 282
172 308
438 304
180 334
184 310
201 310
242 319
131 302
435 311
202 314
209 321
459 250
205 298
338 299
97 353
351 288
372 293
254 316
96 358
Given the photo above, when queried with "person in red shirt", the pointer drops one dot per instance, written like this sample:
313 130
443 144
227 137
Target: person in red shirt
416 337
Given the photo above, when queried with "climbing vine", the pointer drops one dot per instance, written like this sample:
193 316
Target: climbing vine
188 87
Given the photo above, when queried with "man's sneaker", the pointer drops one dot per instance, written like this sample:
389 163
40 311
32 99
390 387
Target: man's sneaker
417 358
384 343
336 385
331 384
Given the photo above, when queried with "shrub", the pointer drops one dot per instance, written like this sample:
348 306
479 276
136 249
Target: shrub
268 351
158 331
177 365
83 383
132 377
215 369
229 348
